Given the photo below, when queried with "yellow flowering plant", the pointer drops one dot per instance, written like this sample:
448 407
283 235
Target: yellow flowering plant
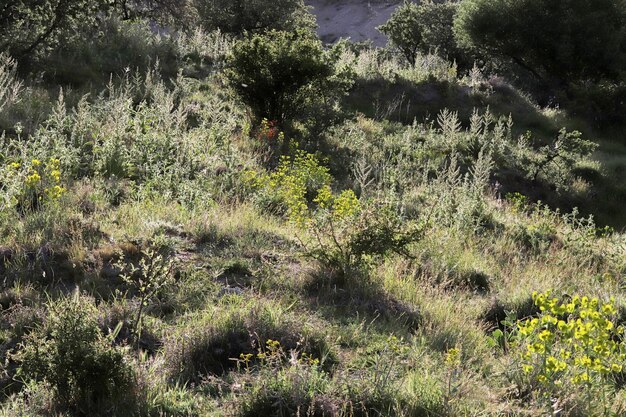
571 343
36 183
273 355
342 232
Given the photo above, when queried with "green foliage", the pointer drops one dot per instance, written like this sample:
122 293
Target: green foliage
558 159
150 277
297 388
10 86
292 186
423 28
239 16
571 343
346 234
29 27
276 73
567 40
87 374
32 184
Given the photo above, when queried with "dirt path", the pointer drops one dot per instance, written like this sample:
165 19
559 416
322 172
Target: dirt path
354 19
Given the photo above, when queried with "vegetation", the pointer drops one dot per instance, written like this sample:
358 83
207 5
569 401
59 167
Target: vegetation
567 41
275 73
229 218
423 28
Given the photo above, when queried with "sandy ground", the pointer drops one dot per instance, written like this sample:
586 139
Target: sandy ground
354 19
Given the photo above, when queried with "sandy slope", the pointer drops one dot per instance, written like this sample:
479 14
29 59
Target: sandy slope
354 19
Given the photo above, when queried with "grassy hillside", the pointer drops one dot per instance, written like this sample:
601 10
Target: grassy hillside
165 253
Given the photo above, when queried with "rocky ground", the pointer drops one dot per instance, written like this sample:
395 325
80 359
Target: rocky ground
354 19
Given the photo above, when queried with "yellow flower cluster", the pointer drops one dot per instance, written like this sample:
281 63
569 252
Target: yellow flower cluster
453 358
294 180
41 182
273 354
573 341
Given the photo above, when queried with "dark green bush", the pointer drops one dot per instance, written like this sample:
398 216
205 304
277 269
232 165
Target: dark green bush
277 73
423 28
563 41
88 375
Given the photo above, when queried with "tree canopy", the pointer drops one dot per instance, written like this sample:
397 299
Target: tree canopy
564 40
26 26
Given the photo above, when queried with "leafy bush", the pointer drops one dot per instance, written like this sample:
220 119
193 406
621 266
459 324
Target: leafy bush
424 28
88 375
277 73
567 41
573 343
30 185
558 159
292 186
346 233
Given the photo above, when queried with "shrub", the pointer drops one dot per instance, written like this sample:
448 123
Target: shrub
10 86
292 186
153 273
567 40
277 72
562 155
343 233
33 184
424 28
571 344
70 353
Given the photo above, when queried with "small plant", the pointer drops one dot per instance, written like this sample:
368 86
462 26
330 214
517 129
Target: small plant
269 133
343 233
571 344
453 372
292 186
147 280
518 201
86 373
38 183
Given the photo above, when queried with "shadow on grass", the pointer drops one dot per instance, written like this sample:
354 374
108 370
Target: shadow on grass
357 297
405 101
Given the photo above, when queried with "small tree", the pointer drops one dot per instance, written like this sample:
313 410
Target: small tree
561 41
427 27
275 72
